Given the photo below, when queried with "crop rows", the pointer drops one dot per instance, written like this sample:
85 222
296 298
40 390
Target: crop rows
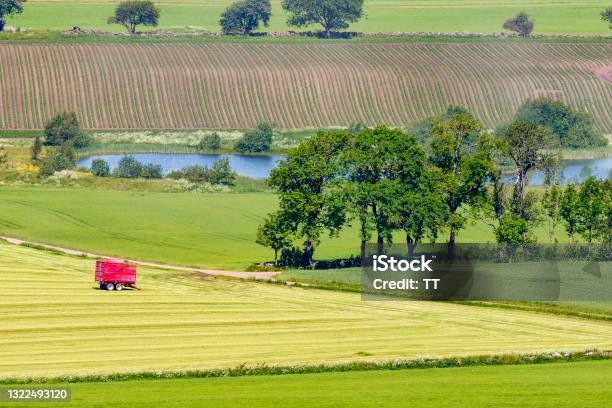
232 85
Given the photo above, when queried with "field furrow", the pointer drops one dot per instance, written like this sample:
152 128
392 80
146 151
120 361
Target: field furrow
299 85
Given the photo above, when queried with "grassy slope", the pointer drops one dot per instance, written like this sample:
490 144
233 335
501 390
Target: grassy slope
209 230
552 17
54 322
583 384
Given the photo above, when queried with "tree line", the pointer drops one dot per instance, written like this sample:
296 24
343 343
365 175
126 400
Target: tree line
385 181
245 16
129 167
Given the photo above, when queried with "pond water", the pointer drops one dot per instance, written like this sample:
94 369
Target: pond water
574 171
259 167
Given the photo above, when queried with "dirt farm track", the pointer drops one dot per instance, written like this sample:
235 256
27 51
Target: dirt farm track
295 85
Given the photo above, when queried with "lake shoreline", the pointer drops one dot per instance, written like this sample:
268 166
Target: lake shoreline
103 148
259 166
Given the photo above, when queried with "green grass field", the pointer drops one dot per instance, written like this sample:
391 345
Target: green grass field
583 384
350 279
55 322
552 17
207 230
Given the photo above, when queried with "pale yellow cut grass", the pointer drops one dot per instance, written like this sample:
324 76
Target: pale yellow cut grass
53 322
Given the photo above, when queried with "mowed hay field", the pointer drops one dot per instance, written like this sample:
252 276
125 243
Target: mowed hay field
54 322
552 16
295 85
582 384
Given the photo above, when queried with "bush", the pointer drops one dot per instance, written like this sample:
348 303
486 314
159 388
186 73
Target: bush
512 230
583 134
210 142
175 174
3 158
100 168
255 141
65 128
520 24
219 173
194 174
128 167
60 159
62 178
351 262
292 257
151 171
574 129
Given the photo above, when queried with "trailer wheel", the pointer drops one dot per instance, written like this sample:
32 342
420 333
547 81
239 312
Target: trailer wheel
110 286
102 286
119 286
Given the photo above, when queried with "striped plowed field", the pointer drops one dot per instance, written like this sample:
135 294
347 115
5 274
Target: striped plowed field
231 85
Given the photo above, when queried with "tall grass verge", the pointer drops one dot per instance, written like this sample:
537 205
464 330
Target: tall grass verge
263 369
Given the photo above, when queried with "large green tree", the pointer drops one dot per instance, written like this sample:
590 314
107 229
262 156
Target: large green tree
130 14
498 200
551 201
384 170
464 158
530 147
310 200
242 17
591 208
604 230
9 8
573 128
331 14
419 208
273 234
423 129
568 210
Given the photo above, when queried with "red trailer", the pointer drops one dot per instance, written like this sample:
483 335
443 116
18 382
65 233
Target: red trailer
114 274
